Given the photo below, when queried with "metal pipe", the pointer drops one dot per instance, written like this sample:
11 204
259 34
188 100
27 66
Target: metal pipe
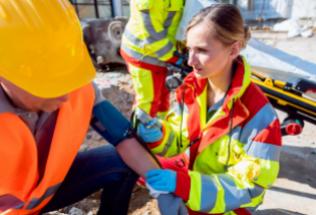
96 9
117 8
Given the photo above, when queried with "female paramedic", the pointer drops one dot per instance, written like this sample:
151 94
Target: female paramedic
230 128
47 101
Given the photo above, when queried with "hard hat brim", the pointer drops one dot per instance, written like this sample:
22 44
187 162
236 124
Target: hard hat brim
80 75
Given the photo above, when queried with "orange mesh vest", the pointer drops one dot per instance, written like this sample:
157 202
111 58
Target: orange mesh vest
21 190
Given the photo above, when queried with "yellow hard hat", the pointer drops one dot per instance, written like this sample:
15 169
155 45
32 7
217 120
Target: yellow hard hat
41 47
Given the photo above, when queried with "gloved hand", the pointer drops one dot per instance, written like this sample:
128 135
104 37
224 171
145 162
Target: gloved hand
171 205
150 132
162 179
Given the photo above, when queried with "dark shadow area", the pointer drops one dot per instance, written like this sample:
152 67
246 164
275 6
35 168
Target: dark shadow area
117 67
299 164
294 192
276 212
140 197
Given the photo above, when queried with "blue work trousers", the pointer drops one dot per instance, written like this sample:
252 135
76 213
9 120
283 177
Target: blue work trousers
93 170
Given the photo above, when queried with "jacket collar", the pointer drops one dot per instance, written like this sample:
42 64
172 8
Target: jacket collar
235 111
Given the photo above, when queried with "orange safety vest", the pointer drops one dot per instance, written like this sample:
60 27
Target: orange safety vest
21 189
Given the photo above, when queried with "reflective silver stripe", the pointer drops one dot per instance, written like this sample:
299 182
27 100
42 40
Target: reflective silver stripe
37 201
234 197
161 52
262 119
208 193
132 38
263 150
256 191
236 133
168 22
154 36
147 59
164 50
150 28
168 144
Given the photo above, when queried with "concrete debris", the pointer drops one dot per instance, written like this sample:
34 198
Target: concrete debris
295 28
76 211
307 33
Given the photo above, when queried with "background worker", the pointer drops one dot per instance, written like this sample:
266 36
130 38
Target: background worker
148 43
47 101
230 127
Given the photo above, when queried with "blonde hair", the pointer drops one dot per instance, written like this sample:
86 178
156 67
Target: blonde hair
227 23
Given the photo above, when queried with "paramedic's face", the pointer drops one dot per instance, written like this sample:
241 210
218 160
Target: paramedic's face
29 102
207 55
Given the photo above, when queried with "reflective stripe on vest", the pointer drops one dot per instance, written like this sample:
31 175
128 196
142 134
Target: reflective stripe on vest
150 32
37 201
154 36
146 59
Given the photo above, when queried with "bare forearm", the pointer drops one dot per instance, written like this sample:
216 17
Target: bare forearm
136 157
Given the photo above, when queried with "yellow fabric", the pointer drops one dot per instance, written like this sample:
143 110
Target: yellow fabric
42 49
143 86
195 192
224 156
144 4
158 13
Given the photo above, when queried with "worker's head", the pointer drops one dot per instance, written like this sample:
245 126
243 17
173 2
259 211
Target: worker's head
214 38
29 102
42 50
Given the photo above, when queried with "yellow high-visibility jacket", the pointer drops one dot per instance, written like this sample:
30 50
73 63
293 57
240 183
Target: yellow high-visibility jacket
149 35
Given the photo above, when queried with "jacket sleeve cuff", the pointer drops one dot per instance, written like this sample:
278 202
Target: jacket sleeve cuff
183 185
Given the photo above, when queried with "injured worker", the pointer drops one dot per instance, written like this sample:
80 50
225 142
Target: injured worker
222 119
47 101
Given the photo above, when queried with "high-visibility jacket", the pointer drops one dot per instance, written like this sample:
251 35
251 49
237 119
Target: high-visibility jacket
234 155
149 35
22 191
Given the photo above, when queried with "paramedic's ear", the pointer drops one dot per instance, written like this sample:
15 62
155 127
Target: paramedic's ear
235 49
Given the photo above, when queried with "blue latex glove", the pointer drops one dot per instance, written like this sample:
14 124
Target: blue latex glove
162 179
150 132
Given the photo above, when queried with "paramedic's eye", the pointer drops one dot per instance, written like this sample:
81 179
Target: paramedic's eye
201 50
